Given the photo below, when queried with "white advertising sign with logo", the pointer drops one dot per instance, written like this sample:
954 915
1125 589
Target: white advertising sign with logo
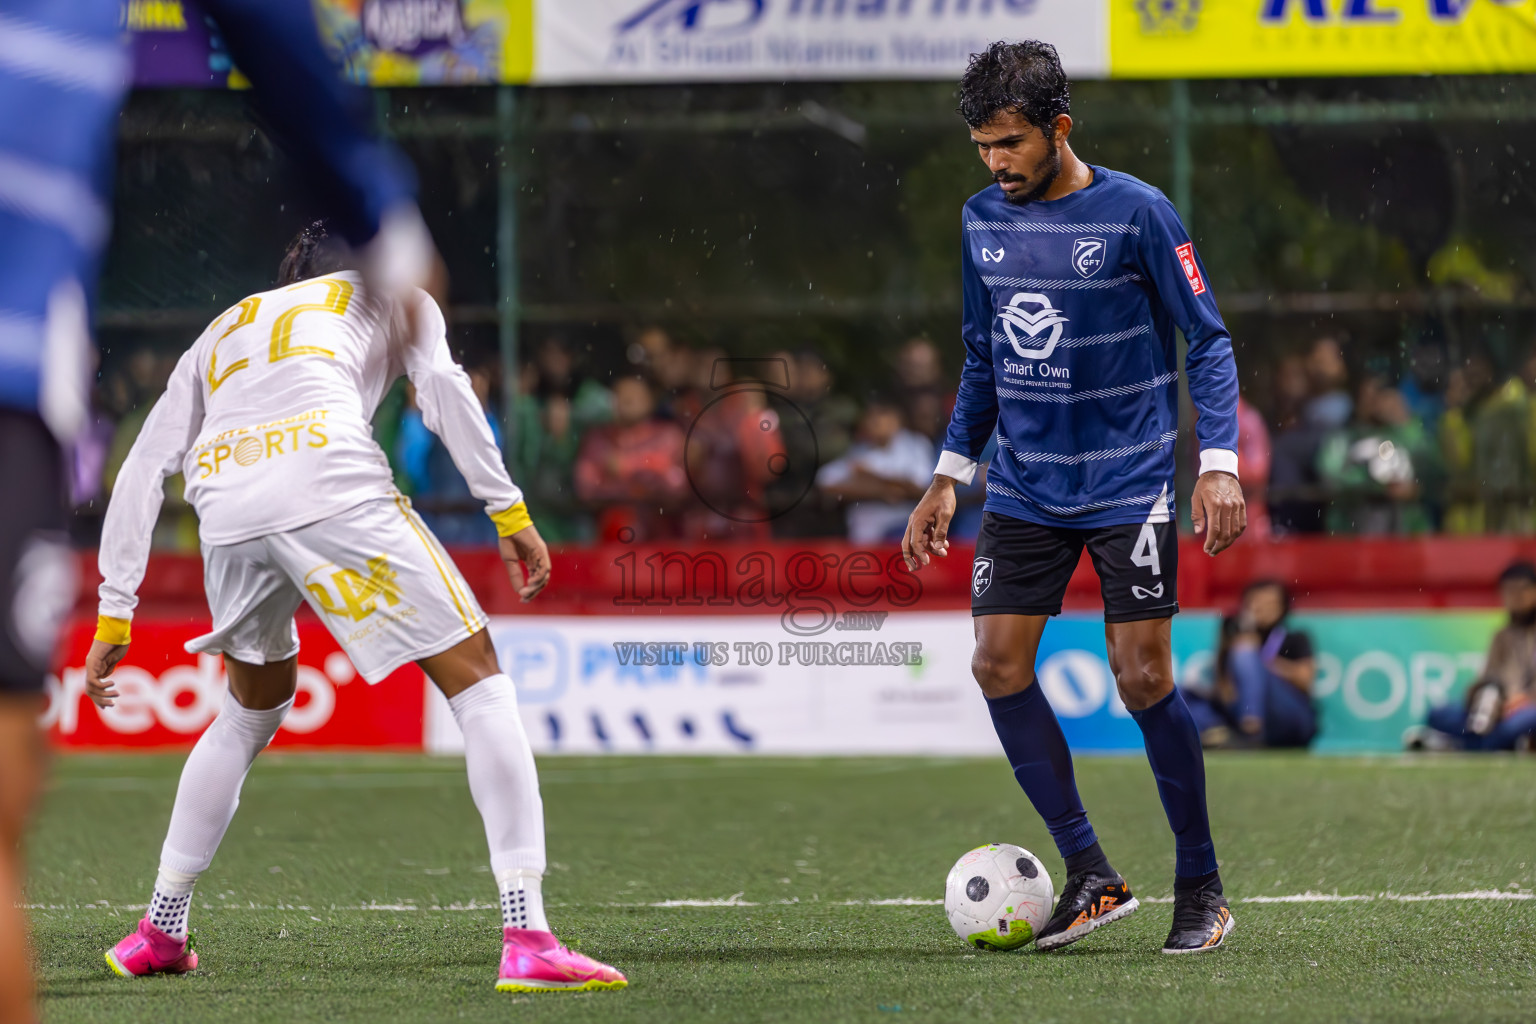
777 40
614 685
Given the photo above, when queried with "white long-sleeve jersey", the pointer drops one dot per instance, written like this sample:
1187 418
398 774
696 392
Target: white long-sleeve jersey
268 416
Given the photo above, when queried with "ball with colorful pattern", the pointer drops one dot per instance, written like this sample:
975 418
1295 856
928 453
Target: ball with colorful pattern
998 897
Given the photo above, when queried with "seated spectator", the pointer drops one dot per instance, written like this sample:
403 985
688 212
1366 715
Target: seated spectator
1329 405
921 389
1424 386
631 470
1499 711
590 401
438 490
735 452
1377 468
1504 434
1264 675
544 465
670 366
882 475
832 415
1295 495
817 427
1467 388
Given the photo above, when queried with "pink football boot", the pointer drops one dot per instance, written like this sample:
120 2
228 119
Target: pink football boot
150 951
536 962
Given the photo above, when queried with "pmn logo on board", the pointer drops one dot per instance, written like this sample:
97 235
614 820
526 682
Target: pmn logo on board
737 15
696 15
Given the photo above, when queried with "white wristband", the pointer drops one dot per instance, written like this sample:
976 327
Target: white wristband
1218 460
953 464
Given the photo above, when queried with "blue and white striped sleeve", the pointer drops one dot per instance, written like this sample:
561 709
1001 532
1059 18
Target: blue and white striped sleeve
975 417
1169 261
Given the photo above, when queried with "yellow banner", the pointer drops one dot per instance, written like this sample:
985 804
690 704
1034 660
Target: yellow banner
429 42
1248 38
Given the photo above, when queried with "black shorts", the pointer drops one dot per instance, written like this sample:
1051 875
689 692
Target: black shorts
1023 568
38 576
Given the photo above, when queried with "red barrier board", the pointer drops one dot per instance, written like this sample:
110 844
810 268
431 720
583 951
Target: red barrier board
737 578
168 696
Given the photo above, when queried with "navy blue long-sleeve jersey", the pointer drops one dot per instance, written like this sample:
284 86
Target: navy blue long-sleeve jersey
1070 312
63 70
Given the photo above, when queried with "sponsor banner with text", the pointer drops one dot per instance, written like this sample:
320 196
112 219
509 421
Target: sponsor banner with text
168 697
775 40
723 684
898 683
429 42
377 42
1260 38
874 683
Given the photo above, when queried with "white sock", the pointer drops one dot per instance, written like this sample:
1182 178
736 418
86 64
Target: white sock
208 794
171 902
505 785
522 899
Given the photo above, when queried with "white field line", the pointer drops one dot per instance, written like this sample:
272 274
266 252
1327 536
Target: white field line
1473 895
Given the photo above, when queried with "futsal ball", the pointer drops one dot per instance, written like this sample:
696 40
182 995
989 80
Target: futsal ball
998 896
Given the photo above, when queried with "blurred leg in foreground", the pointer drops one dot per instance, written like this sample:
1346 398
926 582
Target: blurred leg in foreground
38 589
21 763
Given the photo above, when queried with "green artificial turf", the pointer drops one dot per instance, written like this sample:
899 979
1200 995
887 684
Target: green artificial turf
281 924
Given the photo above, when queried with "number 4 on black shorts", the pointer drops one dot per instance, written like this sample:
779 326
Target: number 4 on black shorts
1023 568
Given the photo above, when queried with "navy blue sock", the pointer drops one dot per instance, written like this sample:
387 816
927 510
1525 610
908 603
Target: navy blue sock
1026 724
1173 748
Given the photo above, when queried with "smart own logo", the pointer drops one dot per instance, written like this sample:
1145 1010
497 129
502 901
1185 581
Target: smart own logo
1025 318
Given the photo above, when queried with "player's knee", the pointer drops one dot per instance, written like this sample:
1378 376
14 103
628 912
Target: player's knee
463 665
1143 682
1000 675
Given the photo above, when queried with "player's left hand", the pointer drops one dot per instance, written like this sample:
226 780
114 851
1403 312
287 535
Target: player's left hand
1218 510
527 547
99 663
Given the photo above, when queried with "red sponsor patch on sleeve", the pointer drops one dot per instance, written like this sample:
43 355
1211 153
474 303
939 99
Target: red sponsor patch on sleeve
1191 268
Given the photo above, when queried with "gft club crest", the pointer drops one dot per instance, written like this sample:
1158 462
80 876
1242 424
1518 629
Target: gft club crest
1088 255
1158 16
981 576
1027 316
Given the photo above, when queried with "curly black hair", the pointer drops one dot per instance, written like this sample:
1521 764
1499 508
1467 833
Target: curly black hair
1016 78
314 252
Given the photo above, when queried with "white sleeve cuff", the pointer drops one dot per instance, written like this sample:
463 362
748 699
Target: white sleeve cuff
399 257
953 464
1218 460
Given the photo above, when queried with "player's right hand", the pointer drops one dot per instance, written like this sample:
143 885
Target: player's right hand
928 526
526 547
99 663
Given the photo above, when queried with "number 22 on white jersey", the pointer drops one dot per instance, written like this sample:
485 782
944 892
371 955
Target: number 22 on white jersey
337 298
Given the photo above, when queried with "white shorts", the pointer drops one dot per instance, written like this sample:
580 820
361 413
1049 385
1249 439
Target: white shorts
374 574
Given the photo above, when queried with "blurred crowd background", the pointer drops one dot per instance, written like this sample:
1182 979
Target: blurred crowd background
698 314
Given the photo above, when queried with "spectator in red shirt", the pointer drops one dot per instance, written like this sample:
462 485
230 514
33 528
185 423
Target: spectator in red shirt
735 452
631 470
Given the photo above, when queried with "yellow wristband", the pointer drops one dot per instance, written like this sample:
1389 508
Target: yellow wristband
110 630
510 520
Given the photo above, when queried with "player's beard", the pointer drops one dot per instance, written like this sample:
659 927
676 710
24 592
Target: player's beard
1045 175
